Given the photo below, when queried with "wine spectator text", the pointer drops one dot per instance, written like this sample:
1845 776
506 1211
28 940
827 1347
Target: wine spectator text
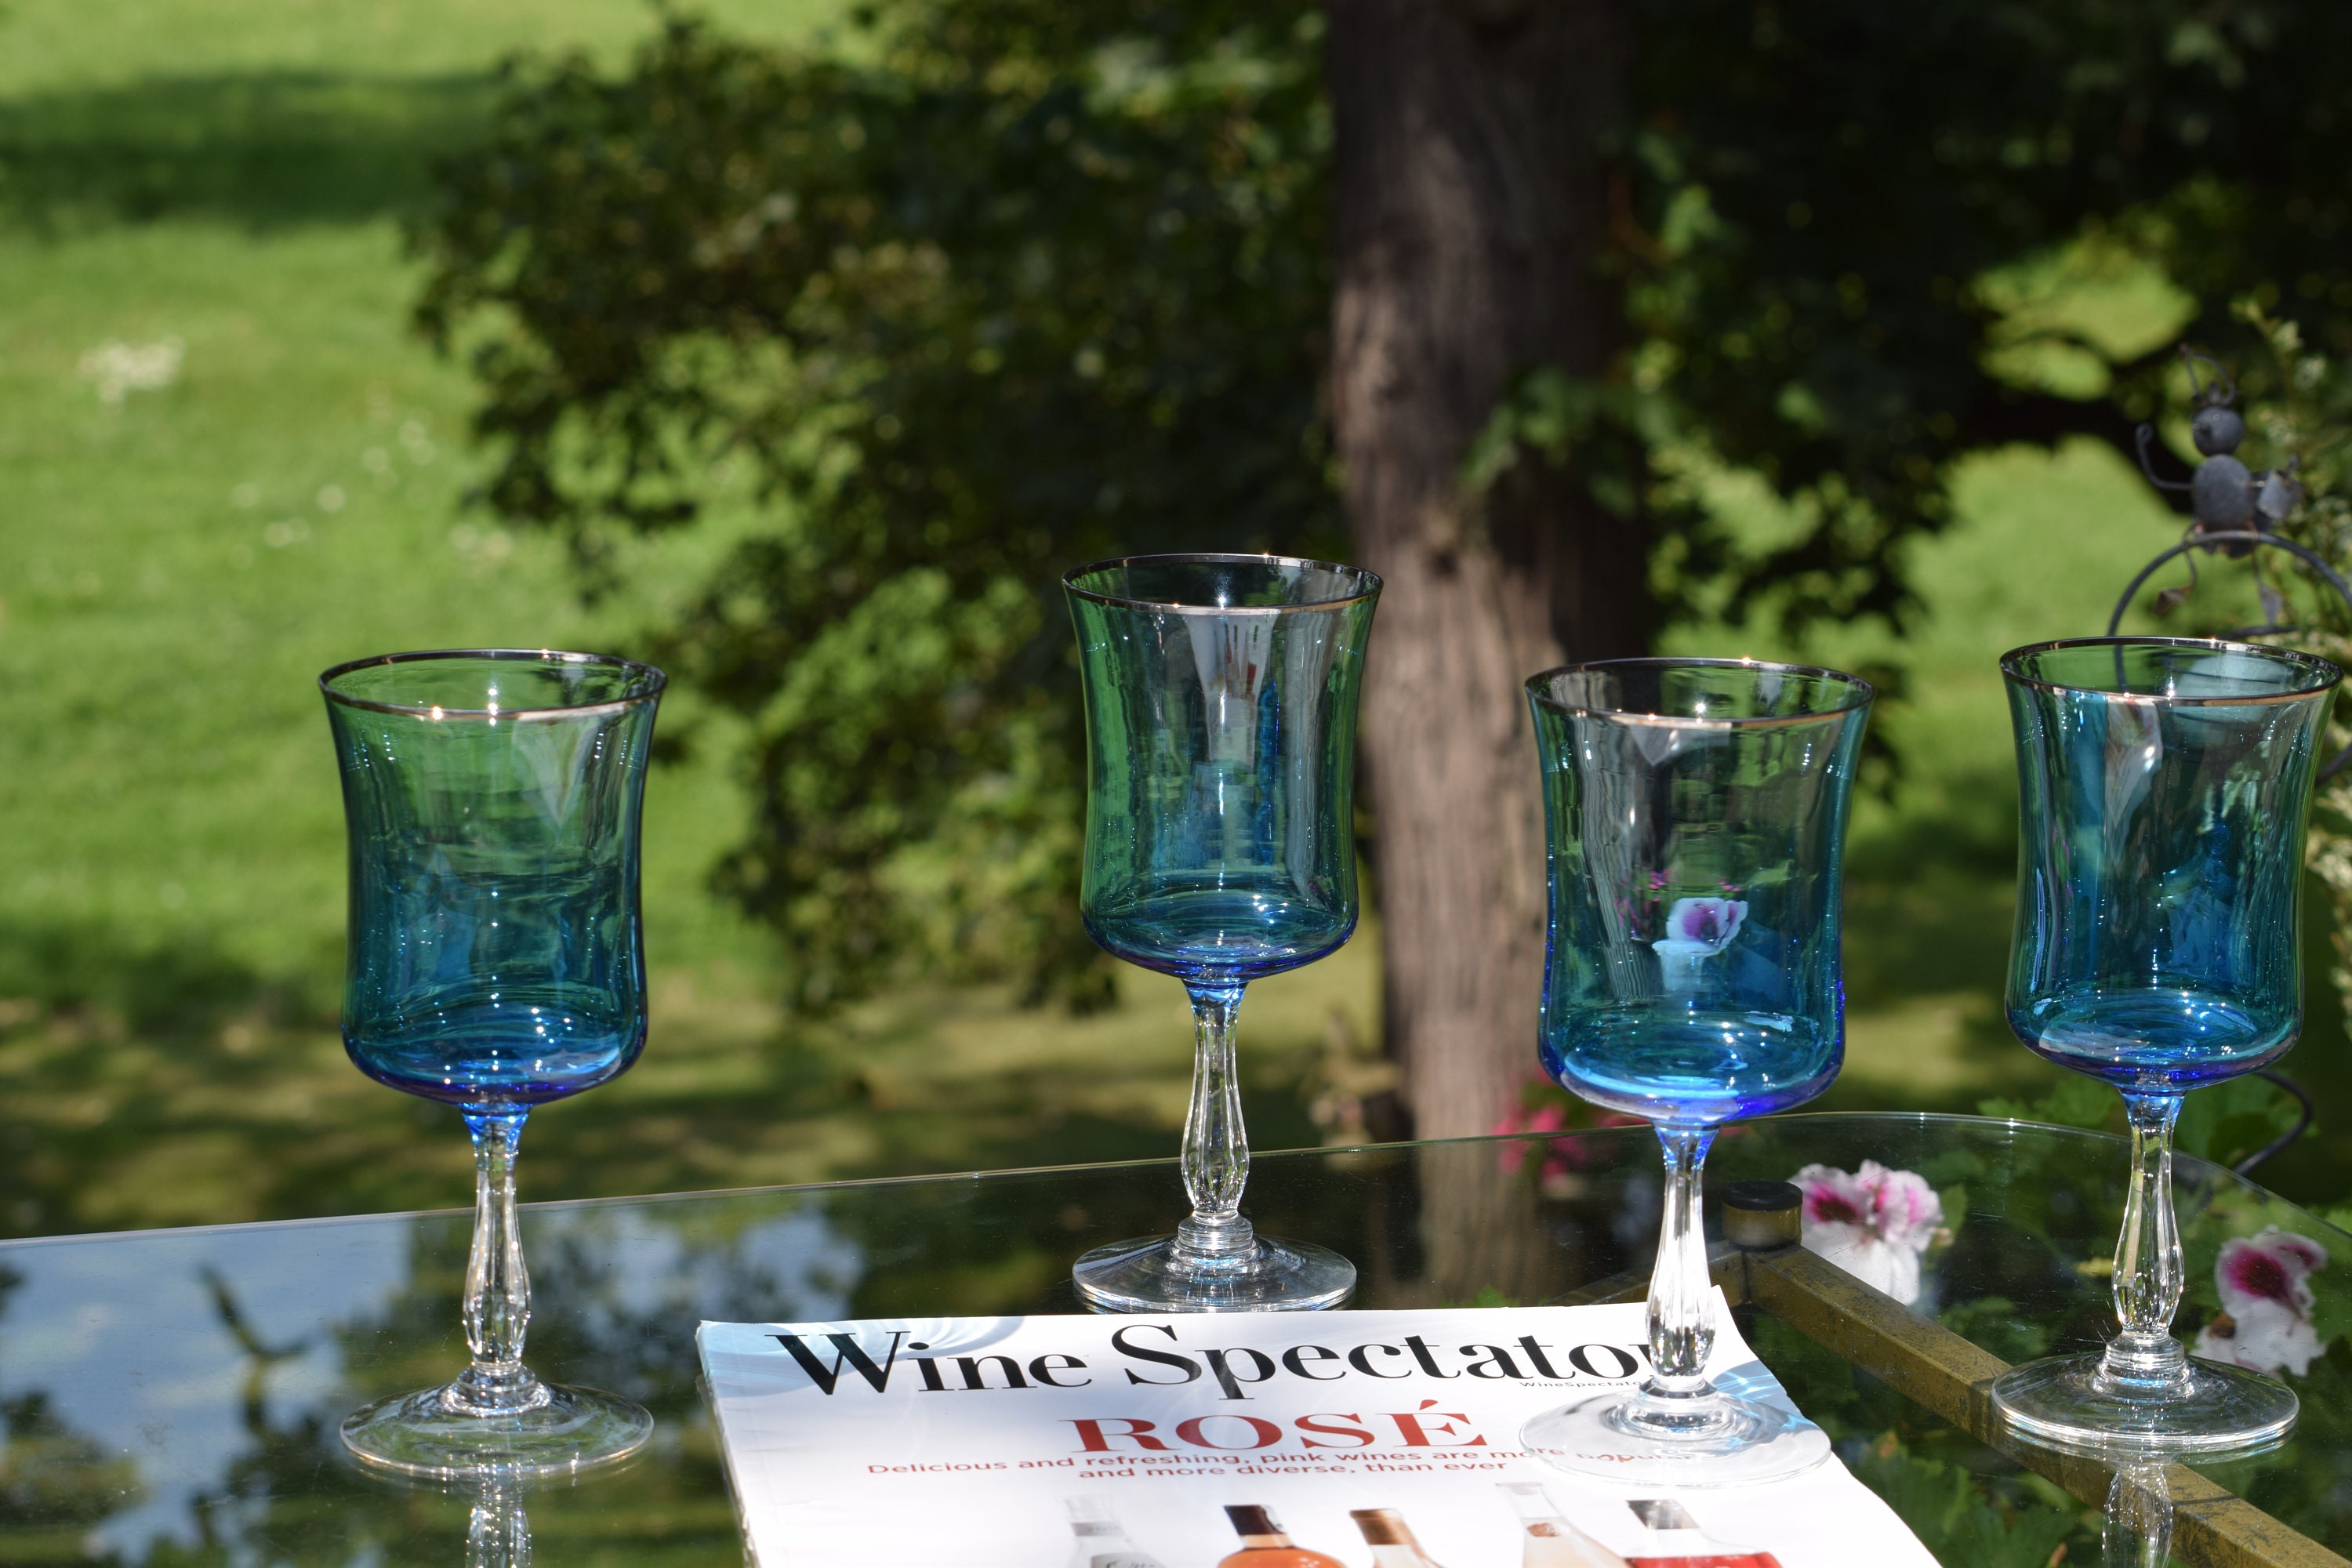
1152 1354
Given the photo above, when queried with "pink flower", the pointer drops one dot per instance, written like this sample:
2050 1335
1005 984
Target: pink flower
1874 1224
1832 1197
1696 930
2264 1323
1701 927
1906 1210
2274 1267
1551 1118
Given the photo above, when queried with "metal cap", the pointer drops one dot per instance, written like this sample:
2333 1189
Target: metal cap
1759 1216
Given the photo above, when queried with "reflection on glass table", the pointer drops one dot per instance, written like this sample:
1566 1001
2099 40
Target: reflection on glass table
171 1396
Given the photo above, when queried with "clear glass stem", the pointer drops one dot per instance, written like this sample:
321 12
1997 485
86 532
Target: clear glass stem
2138 1530
1676 1394
1216 1145
498 1534
2144 1361
498 1287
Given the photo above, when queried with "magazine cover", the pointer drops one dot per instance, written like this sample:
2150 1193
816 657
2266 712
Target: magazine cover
1241 1440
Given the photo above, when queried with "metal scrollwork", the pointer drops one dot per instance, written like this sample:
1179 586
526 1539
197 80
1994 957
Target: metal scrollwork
2234 511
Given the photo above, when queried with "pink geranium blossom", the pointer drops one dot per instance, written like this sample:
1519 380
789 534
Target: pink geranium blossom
1562 1156
1874 1223
2265 1324
1701 928
1543 1119
1553 1178
1697 931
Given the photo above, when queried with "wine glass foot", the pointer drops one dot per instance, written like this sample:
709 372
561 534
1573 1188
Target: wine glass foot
1151 1275
2065 1403
1719 1441
573 1429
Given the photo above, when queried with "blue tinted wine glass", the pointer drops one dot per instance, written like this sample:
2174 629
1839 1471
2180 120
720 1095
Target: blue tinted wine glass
1695 813
1221 847
2163 786
494 963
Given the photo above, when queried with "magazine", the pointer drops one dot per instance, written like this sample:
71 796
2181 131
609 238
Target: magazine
1246 1440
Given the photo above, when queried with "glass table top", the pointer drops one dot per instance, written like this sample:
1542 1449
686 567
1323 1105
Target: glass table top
171 1397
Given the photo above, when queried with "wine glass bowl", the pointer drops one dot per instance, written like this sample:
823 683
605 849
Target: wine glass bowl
495 962
2164 786
1221 695
1692 974
494 958
1695 815
1213 932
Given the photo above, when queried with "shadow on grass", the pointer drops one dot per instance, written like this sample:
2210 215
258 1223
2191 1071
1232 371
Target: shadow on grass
150 1082
1935 928
146 1083
1275 1113
634 1141
1927 907
175 989
1929 894
265 150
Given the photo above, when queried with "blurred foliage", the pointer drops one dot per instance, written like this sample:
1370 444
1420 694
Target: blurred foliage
1963 1521
2073 1103
2297 402
2230 1122
54 1482
1004 285
2223 1122
1856 244
1020 286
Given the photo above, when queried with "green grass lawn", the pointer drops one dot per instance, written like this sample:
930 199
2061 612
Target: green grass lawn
217 188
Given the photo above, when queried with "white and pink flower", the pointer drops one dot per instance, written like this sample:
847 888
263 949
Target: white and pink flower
2266 1320
1696 930
1701 928
1874 1223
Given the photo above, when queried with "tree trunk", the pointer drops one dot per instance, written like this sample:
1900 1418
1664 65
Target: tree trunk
1471 209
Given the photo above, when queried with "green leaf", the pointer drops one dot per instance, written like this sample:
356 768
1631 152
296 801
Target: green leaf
1955 1519
2074 1102
1994 1324
2228 1122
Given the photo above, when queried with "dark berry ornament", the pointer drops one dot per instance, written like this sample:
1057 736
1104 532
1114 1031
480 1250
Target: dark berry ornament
2222 494
2217 430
